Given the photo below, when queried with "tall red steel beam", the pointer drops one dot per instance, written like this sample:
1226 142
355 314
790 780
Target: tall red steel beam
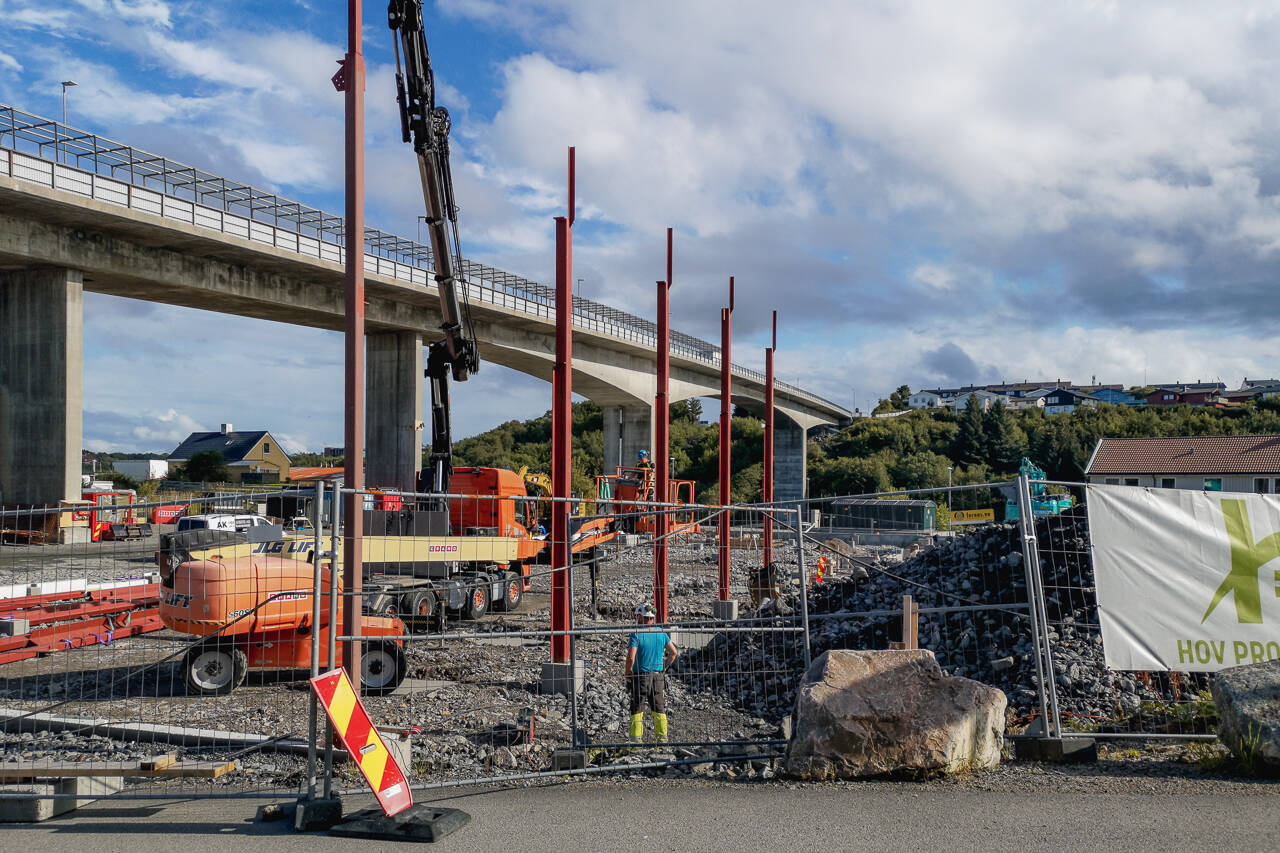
352 84
726 426
768 444
562 430
662 428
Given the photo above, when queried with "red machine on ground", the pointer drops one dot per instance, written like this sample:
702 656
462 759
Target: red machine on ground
111 515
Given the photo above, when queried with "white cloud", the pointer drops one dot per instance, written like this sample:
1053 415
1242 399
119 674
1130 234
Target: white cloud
7 61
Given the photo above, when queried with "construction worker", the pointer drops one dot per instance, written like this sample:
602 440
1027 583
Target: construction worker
644 461
649 653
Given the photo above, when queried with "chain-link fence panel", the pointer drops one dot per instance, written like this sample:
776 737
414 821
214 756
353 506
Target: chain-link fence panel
135 646
1092 699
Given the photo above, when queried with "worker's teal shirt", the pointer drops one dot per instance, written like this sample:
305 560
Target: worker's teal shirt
649 647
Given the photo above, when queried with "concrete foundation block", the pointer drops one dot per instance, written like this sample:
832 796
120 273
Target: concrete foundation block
724 610
318 814
562 677
400 749
14 627
34 802
74 536
565 758
1058 750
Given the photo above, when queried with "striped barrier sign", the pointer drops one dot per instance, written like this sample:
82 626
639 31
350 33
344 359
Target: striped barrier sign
362 741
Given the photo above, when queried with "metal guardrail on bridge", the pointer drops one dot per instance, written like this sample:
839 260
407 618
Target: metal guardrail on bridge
120 174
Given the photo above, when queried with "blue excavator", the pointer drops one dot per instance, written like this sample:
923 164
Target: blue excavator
1043 502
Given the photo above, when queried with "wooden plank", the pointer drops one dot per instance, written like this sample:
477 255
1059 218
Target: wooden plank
169 769
158 762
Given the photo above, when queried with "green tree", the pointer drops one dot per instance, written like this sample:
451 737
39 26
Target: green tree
207 466
920 471
1006 443
971 442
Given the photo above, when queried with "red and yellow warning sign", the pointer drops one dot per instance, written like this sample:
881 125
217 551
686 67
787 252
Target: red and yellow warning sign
362 741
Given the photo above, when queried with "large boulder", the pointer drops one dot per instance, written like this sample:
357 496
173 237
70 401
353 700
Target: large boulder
1248 703
865 713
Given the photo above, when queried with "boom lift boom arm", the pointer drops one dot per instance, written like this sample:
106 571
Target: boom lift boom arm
427 126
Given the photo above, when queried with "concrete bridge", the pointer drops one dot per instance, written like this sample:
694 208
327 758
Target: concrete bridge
79 212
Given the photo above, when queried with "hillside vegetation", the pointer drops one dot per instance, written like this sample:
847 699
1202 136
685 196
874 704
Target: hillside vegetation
912 451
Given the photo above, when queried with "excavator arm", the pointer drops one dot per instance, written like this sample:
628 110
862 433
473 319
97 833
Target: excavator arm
427 127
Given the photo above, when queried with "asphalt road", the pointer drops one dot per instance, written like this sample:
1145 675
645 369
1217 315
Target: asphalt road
714 817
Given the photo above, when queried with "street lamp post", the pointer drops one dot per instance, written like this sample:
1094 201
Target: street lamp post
65 85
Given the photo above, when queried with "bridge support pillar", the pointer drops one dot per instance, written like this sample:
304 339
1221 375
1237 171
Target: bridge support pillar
790 460
41 385
393 409
627 431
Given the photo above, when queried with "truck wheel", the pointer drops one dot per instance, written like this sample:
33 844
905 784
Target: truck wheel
476 602
512 593
382 667
419 604
214 669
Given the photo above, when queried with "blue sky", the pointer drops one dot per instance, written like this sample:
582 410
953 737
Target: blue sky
929 193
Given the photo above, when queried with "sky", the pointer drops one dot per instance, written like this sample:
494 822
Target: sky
929 193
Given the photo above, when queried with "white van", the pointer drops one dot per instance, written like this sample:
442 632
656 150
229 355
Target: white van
221 521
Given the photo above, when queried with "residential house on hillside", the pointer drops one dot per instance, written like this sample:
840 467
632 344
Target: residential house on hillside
925 400
985 400
1198 395
1215 463
1065 400
1255 390
252 457
1117 397
1248 383
1025 389
1034 400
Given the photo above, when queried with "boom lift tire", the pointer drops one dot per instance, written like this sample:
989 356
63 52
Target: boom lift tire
382 667
214 668
512 593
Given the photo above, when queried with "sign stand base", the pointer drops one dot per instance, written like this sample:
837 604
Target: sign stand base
416 823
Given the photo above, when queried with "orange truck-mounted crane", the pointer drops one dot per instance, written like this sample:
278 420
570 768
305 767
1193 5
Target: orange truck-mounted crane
464 554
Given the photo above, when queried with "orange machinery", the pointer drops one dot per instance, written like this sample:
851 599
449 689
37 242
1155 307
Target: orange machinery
256 610
636 484
111 515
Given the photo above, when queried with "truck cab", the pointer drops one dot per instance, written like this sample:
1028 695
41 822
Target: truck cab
499 506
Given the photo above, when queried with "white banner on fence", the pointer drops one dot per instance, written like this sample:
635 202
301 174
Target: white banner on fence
1186 580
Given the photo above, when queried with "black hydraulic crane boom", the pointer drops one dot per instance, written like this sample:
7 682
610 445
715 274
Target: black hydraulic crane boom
427 127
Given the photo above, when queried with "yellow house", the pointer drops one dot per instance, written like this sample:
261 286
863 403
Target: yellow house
252 457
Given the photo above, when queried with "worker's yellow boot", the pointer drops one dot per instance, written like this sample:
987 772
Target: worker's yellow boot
636 732
660 727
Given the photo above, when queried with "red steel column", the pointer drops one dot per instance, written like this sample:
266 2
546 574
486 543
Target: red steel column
562 430
661 438
662 461
726 427
768 443
353 425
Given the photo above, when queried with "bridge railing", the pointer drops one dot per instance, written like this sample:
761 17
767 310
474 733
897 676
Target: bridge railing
51 154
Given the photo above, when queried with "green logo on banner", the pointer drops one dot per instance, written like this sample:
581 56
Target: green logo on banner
1247 557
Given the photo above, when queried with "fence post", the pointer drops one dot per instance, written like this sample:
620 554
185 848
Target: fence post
335 509
313 730
804 587
1047 688
910 623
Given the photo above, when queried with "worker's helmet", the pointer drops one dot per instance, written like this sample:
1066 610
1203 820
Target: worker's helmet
643 454
647 611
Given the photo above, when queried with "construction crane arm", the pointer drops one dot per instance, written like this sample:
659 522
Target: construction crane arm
427 127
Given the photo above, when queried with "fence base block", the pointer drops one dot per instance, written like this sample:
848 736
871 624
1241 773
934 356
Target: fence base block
31 803
565 758
1059 750
725 611
562 677
318 814
416 823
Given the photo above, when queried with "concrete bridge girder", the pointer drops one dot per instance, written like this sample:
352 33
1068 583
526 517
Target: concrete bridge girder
133 254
